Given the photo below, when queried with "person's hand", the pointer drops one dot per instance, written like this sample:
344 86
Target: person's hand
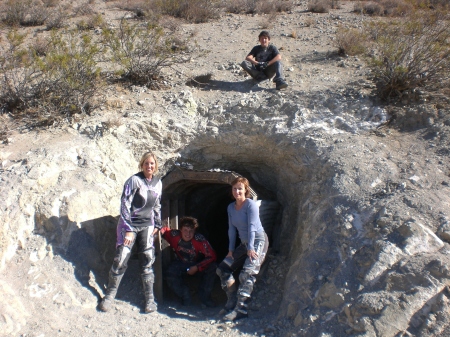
192 270
129 237
263 65
230 254
252 254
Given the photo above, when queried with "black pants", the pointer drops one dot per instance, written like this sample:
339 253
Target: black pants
146 253
176 274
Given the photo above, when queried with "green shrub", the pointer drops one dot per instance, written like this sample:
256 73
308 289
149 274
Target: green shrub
141 51
350 41
410 54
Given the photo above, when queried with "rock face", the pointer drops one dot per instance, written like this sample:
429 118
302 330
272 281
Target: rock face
363 215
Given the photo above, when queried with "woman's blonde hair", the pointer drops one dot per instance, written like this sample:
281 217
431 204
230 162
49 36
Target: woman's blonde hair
144 157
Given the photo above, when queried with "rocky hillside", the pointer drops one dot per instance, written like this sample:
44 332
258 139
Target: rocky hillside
361 244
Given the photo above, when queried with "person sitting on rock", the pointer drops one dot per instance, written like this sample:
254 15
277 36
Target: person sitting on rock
263 62
193 255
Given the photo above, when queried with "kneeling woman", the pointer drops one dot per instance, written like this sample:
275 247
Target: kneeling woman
243 217
140 218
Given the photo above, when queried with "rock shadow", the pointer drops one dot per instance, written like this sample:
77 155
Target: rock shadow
242 87
90 249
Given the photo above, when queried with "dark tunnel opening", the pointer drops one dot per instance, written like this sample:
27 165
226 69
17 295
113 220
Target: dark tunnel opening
205 195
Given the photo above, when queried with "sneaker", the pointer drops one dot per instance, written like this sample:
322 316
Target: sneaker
281 85
235 315
106 304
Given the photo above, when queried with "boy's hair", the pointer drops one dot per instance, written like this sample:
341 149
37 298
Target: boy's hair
264 33
188 221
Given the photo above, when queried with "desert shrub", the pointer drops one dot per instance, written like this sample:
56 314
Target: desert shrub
57 18
141 51
24 13
241 6
319 6
257 6
267 21
51 3
350 41
43 89
83 9
91 22
141 8
373 8
196 11
40 46
410 54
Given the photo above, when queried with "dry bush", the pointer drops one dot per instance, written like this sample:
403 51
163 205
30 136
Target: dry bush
57 18
310 22
196 11
397 8
384 8
373 8
410 54
319 6
265 7
241 6
283 5
91 22
40 46
257 6
268 20
40 90
350 41
24 13
141 8
51 3
83 9
294 34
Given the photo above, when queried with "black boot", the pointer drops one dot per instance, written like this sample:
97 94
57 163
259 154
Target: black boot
240 311
150 304
231 297
111 291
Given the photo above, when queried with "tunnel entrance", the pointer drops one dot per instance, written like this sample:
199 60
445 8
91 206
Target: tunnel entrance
204 195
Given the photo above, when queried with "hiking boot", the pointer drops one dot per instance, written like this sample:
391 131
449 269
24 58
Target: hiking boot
106 304
281 85
235 315
147 282
111 291
150 306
